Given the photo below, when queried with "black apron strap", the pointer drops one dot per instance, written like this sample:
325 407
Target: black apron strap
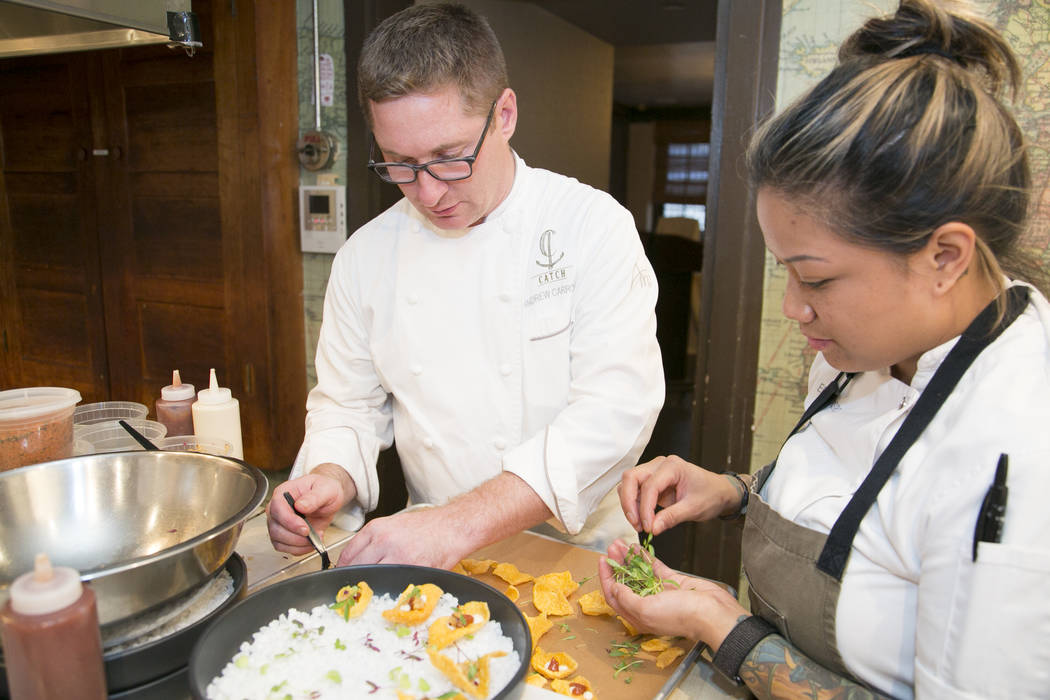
824 398
980 334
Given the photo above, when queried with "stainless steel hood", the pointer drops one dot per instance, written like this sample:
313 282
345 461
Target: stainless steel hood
57 26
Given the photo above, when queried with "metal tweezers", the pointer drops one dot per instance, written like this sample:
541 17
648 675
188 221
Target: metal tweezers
316 541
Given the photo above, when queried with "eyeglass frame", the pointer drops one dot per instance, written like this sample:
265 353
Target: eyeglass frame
469 160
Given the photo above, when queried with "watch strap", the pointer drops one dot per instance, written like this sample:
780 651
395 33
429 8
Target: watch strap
742 510
738 644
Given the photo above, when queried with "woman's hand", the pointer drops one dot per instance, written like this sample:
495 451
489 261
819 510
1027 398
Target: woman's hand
684 490
690 607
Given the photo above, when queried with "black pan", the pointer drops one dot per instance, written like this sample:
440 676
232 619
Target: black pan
223 638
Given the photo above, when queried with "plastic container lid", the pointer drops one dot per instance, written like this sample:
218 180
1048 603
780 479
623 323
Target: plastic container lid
108 412
214 393
20 405
177 391
195 443
45 589
111 437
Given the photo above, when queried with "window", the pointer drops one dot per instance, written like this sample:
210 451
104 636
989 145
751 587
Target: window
688 211
683 153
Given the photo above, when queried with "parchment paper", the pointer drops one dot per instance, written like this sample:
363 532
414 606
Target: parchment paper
586 638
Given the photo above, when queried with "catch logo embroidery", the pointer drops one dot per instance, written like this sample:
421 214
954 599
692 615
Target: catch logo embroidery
547 250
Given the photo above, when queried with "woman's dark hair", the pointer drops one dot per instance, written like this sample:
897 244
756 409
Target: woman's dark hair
908 132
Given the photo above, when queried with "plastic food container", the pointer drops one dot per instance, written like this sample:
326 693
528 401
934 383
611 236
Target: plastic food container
111 437
194 443
106 411
36 425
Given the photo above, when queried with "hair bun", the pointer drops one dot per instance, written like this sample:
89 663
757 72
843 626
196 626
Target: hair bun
940 28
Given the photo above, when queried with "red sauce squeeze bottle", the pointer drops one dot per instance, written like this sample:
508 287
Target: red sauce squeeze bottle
175 406
50 635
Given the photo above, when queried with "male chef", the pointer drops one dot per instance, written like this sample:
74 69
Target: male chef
497 324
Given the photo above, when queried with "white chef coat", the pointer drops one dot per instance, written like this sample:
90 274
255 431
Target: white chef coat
916 616
527 345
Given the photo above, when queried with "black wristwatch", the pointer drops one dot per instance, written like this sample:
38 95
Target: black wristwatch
738 644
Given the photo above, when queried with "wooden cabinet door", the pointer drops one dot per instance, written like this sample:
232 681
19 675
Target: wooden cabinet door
139 235
50 269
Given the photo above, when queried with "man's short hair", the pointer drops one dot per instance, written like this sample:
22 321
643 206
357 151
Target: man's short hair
427 47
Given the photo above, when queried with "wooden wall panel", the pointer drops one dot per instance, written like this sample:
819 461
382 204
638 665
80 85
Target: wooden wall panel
44 222
177 237
179 336
148 221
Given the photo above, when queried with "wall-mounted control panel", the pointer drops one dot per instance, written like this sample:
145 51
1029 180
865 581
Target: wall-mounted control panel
322 217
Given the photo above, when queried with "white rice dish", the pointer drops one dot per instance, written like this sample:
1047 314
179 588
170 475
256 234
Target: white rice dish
318 654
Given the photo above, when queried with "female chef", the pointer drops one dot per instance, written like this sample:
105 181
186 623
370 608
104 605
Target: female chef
898 546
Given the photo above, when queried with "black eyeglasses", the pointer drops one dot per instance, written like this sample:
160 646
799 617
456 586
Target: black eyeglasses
447 169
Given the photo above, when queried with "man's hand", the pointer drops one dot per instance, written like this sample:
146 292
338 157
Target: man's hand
441 536
684 490
426 537
318 495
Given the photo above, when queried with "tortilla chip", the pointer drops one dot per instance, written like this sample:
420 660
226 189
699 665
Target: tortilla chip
535 679
458 569
560 581
414 605
470 676
627 626
351 601
667 656
573 687
465 619
538 627
549 600
594 603
557 664
510 573
512 593
477 566
656 644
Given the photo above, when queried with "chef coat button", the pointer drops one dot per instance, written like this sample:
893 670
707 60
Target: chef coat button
500 443
428 443
416 370
413 298
505 297
505 370
416 227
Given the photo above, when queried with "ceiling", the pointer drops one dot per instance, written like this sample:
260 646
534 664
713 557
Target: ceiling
664 49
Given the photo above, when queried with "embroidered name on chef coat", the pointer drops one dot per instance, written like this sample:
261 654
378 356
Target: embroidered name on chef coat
553 278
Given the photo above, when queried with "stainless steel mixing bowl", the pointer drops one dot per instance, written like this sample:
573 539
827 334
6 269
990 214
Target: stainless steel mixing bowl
142 527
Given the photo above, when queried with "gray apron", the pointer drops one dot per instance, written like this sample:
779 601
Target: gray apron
794 573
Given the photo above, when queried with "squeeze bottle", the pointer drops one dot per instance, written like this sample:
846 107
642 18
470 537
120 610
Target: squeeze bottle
174 407
49 628
217 414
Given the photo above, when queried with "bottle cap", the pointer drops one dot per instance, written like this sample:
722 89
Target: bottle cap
214 393
45 589
176 391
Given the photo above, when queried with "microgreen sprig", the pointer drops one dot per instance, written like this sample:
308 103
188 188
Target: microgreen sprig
636 572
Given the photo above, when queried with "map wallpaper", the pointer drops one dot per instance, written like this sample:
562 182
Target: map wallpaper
810 34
